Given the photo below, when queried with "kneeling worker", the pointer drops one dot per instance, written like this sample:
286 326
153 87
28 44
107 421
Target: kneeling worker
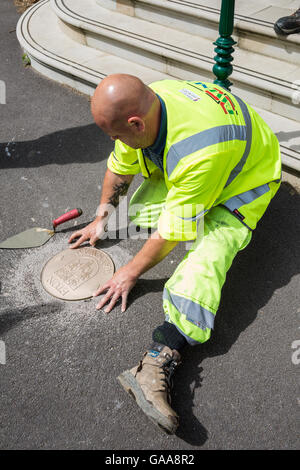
205 155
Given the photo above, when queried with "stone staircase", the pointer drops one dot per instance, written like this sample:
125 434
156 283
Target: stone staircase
79 42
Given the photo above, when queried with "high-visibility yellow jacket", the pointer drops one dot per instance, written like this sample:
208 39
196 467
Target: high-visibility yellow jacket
218 151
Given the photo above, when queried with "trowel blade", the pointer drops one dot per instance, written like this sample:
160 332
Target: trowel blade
30 238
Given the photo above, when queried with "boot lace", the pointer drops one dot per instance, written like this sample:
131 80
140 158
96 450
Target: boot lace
168 368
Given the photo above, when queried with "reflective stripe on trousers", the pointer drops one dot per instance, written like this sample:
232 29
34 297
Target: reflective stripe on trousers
192 295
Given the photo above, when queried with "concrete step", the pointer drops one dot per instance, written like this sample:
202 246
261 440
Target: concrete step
288 134
253 25
59 51
259 79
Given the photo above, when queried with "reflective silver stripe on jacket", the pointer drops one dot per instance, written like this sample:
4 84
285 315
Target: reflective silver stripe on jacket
247 197
236 202
194 312
247 118
212 136
196 217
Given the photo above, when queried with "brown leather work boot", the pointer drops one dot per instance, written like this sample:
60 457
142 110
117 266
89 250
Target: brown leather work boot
150 384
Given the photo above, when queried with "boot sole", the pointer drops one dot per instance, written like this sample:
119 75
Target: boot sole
132 387
281 32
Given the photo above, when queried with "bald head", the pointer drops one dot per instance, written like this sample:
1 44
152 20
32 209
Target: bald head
124 104
119 96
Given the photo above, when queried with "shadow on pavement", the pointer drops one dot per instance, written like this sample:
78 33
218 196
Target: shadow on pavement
84 144
268 263
145 286
10 317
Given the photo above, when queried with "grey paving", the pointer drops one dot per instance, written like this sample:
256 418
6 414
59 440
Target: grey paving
58 388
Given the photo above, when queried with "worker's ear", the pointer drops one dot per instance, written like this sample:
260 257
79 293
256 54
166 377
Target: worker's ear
136 123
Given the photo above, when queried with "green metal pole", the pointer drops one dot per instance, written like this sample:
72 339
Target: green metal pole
223 68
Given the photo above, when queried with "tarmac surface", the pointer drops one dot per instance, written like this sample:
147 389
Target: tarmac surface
58 386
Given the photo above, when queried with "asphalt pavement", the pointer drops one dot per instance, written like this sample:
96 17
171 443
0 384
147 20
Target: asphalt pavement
58 386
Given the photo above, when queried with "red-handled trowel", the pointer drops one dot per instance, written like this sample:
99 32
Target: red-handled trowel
37 236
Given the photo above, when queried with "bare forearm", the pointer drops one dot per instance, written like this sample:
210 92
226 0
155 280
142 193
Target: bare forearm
114 187
154 250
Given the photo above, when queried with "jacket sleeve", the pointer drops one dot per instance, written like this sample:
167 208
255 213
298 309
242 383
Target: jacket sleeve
123 160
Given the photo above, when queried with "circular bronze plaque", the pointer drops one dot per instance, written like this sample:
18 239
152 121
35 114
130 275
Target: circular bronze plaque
75 274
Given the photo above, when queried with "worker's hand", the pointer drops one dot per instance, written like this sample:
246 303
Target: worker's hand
118 287
91 233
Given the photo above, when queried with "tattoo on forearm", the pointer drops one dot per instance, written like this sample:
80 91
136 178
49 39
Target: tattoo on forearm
119 190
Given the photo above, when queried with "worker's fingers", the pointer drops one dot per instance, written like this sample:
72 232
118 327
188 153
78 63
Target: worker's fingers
93 240
124 301
113 302
82 239
101 289
105 299
74 235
